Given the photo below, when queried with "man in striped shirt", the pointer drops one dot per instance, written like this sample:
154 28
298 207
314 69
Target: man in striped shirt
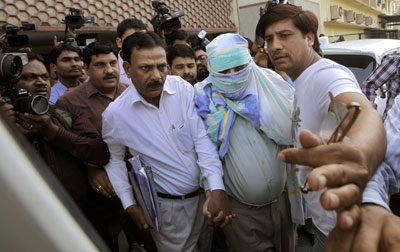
388 72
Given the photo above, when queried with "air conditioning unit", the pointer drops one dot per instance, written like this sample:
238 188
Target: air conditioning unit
349 16
360 18
336 12
369 20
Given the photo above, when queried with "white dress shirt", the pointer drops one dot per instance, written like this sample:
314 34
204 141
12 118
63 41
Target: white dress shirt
172 139
123 77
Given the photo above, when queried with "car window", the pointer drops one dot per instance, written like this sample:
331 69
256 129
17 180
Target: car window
361 65
36 209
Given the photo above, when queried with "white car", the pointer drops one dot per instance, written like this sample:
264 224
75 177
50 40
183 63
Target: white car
36 213
361 57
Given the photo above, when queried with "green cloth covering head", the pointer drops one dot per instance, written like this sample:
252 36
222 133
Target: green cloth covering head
227 51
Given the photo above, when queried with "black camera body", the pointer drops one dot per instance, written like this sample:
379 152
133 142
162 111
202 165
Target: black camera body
11 65
202 36
164 20
13 40
76 19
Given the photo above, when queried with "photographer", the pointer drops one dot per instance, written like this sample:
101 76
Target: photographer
177 37
63 151
65 61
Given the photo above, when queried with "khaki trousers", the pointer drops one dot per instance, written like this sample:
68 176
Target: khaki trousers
183 226
266 228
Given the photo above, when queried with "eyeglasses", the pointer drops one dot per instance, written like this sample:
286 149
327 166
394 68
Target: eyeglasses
202 57
350 113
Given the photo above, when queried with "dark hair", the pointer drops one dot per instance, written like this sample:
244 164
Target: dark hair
130 23
176 35
199 47
57 50
179 50
140 40
305 21
249 43
98 47
34 56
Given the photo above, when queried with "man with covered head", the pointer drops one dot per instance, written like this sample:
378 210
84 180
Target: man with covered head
247 112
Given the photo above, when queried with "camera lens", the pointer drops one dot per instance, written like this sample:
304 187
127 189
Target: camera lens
10 66
39 104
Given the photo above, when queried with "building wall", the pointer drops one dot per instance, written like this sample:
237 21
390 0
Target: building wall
249 15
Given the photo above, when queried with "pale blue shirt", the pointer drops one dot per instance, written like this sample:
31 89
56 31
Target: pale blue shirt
253 173
386 179
56 92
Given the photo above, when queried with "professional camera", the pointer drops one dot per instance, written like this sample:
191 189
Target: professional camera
76 19
202 36
11 65
14 41
165 21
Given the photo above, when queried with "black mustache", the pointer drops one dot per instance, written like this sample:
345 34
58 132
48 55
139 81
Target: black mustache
109 76
187 76
154 83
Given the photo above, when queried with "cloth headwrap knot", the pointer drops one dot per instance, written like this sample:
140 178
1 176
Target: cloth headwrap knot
252 93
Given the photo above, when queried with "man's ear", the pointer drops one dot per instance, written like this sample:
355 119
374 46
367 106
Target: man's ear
118 41
53 67
127 68
310 39
85 66
169 69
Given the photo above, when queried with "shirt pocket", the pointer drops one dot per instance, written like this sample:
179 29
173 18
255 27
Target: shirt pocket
183 138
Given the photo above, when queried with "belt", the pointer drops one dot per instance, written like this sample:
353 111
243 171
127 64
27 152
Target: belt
182 197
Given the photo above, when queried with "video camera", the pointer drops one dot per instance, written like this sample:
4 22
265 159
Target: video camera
165 21
14 41
11 65
202 36
76 19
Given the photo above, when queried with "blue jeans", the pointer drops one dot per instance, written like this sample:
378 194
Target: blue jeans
319 240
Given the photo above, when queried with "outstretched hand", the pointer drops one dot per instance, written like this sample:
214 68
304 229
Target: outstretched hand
340 167
379 231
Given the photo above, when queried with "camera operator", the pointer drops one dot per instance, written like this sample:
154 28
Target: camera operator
65 61
64 152
182 62
126 28
177 37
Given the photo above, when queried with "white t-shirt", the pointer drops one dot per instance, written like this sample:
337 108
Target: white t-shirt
311 107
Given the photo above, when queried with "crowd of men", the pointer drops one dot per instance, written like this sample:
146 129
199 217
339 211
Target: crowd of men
239 144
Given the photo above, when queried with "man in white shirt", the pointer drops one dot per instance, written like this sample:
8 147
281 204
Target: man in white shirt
156 118
126 28
341 170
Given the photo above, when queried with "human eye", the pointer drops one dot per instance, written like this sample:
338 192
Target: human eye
99 64
179 66
145 68
44 76
162 67
28 77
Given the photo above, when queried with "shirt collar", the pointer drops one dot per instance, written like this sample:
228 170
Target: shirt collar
136 97
60 86
91 90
